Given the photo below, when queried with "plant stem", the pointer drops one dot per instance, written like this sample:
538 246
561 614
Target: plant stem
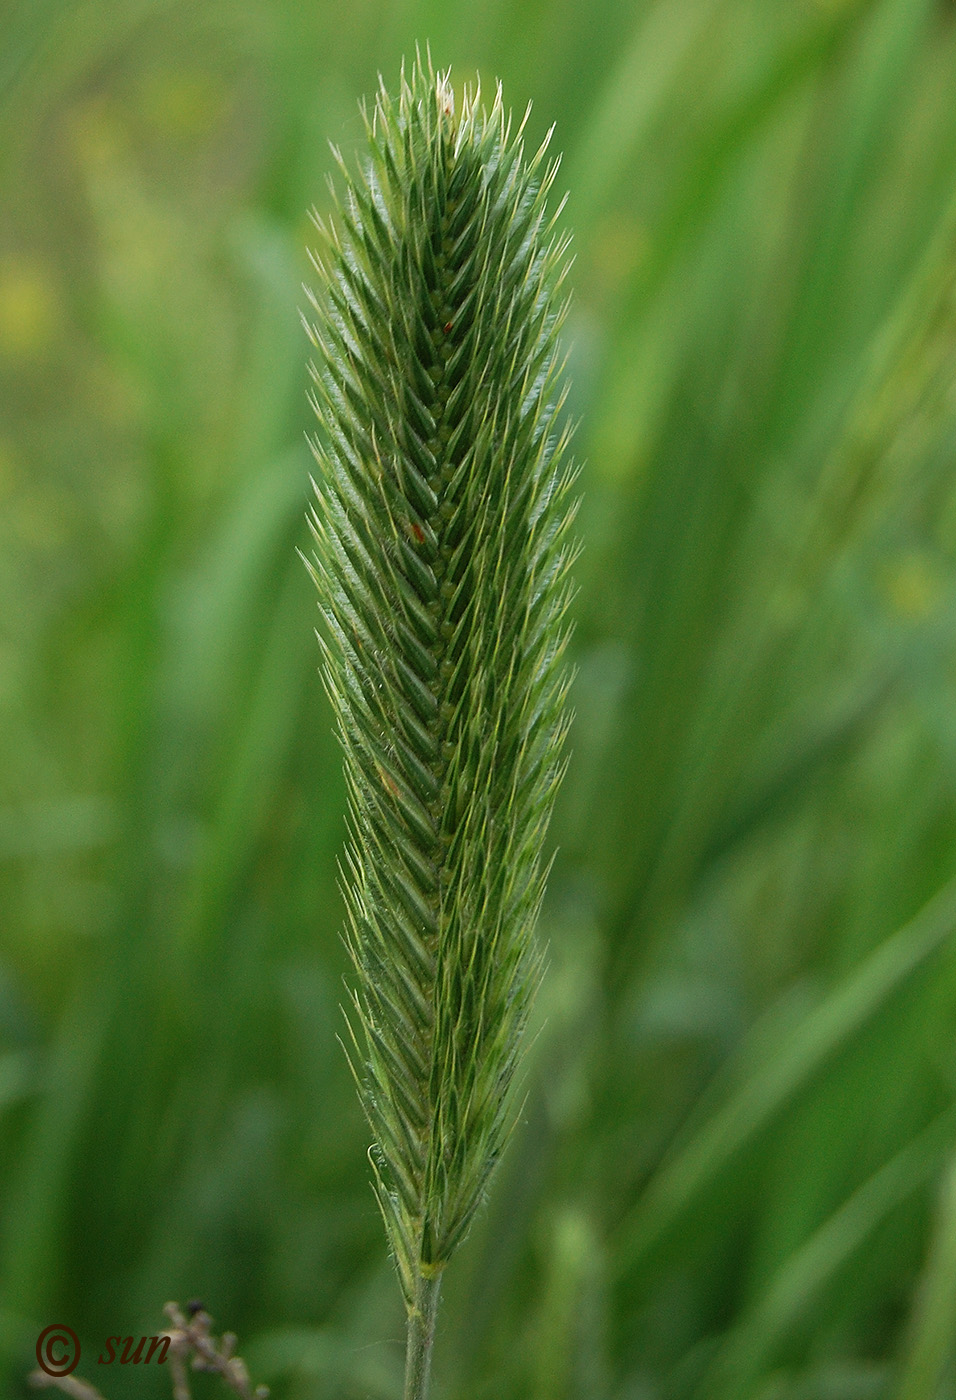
421 1334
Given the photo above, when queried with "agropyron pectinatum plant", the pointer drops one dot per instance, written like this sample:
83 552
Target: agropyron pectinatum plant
441 528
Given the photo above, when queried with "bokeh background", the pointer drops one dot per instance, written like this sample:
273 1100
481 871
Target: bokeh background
735 1174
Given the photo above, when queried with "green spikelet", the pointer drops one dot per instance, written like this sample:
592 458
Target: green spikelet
441 533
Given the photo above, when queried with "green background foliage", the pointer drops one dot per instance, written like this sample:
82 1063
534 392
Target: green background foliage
736 1171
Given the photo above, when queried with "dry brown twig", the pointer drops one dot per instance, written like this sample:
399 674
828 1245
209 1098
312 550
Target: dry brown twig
192 1346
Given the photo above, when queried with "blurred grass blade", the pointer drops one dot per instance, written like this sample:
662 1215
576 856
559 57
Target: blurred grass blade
797 758
722 146
794 63
905 398
39 1189
800 1282
929 1351
779 1074
631 99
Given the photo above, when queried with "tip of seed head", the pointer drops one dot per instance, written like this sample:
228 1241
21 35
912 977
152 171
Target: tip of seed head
446 95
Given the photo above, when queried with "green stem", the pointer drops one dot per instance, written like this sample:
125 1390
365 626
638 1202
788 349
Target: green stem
421 1334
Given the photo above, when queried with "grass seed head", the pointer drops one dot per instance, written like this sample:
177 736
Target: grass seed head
441 529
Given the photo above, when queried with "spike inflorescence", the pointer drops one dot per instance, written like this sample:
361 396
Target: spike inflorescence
441 526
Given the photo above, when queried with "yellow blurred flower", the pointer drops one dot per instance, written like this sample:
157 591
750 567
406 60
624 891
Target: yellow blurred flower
912 586
28 308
